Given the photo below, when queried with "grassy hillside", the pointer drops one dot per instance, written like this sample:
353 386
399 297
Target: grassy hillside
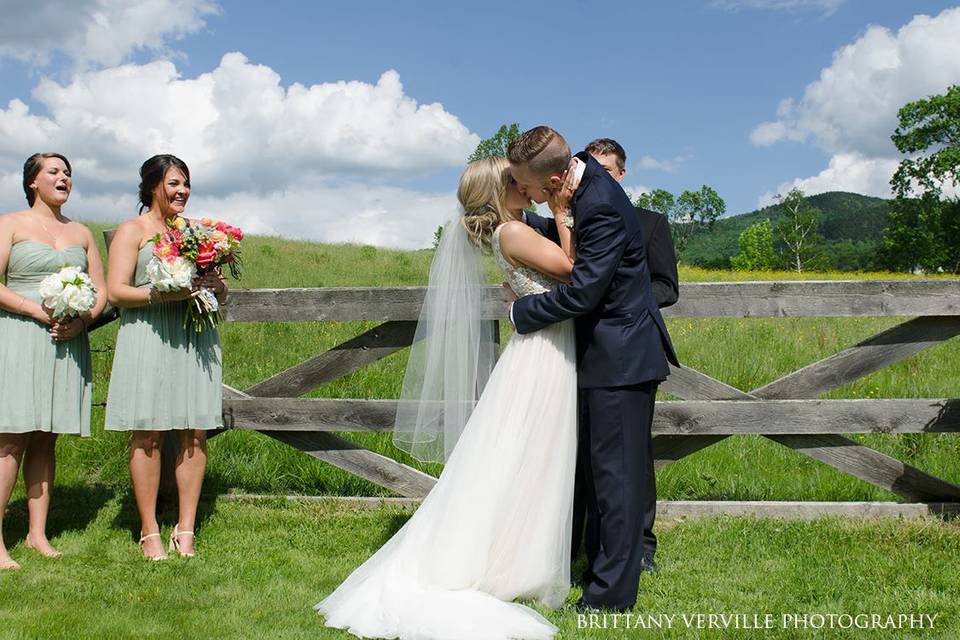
852 225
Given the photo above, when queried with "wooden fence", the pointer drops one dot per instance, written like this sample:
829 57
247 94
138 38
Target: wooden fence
786 410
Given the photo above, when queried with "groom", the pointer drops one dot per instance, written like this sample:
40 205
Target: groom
622 353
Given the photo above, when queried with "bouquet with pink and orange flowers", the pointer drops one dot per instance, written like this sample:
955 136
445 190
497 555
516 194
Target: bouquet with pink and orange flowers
189 250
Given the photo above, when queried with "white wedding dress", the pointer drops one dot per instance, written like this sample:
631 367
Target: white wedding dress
496 526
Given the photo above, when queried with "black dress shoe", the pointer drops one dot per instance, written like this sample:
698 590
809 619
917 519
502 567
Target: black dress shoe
582 607
585 607
647 564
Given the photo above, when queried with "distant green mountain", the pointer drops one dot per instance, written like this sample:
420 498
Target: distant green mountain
852 226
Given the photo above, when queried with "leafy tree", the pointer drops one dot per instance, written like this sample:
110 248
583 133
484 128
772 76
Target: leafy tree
931 123
695 211
756 248
692 212
923 225
436 236
496 145
659 200
799 231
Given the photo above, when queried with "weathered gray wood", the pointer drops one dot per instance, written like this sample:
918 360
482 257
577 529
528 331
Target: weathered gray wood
353 458
694 509
689 384
309 414
873 354
672 510
715 417
774 417
667 449
377 343
873 466
349 456
835 450
802 298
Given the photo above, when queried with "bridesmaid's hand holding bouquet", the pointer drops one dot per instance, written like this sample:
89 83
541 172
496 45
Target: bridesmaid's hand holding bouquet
196 251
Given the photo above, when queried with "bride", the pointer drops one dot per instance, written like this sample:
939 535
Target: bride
496 527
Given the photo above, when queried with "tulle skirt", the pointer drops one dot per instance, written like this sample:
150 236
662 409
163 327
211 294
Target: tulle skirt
496 527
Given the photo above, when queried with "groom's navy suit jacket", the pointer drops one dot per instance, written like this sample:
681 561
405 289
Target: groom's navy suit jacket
621 337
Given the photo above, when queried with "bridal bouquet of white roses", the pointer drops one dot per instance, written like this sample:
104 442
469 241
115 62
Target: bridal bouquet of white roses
69 293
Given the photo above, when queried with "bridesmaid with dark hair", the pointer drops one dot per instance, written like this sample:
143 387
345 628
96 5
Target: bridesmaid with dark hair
45 373
166 379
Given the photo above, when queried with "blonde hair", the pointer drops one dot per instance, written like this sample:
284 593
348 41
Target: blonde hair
482 194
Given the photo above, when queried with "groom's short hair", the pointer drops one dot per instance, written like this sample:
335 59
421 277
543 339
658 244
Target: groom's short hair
542 149
606 146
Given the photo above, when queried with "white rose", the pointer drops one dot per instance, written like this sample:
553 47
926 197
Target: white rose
50 287
70 274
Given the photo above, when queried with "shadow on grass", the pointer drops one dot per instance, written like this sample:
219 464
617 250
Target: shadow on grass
72 508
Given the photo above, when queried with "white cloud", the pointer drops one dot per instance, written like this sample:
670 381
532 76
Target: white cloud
846 172
97 31
356 212
827 7
250 142
635 190
668 165
850 111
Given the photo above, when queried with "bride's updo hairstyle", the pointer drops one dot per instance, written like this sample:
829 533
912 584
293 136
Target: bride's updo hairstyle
482 194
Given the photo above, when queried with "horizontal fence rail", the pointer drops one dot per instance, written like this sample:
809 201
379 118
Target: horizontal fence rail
684 418
801 298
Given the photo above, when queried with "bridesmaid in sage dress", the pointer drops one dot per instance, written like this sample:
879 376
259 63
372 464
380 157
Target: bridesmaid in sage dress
45 374
165 378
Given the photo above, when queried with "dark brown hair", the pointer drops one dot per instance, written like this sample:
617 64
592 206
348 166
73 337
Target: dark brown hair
32 168
542 149
152 173
604 146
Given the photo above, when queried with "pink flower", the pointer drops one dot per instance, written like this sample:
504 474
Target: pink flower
168 247
206 254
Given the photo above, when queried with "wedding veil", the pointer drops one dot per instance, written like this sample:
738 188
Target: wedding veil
452 355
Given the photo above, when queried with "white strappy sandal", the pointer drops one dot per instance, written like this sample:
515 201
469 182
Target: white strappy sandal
175 543
146 537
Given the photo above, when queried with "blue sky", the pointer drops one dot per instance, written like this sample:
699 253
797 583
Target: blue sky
695 91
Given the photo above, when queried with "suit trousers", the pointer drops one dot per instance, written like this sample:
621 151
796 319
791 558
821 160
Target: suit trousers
615 490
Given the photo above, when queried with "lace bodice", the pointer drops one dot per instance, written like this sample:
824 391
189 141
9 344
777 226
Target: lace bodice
523 280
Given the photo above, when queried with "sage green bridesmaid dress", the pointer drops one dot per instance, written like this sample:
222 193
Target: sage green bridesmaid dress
164 376
44 385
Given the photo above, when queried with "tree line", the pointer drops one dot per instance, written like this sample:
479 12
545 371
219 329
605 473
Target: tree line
920 227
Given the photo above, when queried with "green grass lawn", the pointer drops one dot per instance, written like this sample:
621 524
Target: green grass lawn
263 564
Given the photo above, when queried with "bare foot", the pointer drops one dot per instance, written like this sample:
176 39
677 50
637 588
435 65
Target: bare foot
8 563
152 546
41 545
